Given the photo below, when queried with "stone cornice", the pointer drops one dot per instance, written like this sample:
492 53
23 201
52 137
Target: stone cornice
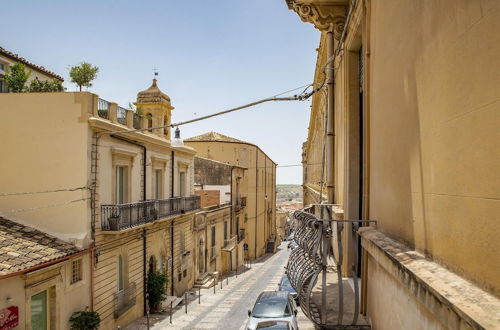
326 15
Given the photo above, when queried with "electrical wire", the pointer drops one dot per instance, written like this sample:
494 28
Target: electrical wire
298 97
44 206
42 191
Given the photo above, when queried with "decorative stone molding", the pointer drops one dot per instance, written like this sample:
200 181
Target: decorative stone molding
325 15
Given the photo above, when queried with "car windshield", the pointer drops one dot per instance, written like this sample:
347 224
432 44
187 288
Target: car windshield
271 307
275 325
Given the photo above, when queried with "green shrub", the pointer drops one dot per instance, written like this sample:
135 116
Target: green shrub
42 86
85 320
156 289
16 78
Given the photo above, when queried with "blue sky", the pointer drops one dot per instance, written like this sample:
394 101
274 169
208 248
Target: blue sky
211 55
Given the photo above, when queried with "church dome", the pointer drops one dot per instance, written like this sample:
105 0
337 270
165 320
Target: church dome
153 95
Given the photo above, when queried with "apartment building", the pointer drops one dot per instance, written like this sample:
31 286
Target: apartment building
258 220
221 237
8 58
113 183
409 99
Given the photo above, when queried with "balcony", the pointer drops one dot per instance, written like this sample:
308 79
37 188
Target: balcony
124 300
241 235
231 242
123 216
240 203
324 267
103 108
121 115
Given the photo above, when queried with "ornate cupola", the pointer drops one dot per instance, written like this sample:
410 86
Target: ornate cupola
155 105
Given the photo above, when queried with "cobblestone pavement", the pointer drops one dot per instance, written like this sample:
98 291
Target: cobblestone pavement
227 308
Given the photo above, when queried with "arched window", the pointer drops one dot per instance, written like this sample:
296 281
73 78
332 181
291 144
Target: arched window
150 121
121 273
152 264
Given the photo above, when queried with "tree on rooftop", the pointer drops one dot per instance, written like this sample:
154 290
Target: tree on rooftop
16 78
83 74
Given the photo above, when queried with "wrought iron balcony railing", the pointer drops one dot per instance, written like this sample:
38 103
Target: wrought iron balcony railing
240 203
124 300
103 108
320 251
123 216
121 115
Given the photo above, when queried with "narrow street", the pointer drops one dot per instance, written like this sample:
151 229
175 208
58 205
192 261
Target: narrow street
227 308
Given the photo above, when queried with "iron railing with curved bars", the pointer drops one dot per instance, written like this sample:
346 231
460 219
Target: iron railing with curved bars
320 252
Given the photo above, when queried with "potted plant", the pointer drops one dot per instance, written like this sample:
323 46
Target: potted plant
157 282
114 221
85 320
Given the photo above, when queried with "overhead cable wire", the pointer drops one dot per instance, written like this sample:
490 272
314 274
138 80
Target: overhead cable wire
275 98
44 206
41 191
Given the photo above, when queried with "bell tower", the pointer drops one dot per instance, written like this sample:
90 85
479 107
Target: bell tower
155 105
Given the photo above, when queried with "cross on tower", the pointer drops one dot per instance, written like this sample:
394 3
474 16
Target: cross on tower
155 70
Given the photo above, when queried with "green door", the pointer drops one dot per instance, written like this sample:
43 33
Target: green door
39 311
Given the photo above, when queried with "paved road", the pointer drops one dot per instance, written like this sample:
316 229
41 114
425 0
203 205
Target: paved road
227 308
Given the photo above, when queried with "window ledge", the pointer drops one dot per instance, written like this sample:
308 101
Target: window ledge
450 297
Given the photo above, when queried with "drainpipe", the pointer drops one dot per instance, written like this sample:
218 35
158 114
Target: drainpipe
330 125
256 200
144 197
172 155
266 215
231 203
92 264
144 273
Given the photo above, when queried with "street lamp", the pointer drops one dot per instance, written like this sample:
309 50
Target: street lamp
177 141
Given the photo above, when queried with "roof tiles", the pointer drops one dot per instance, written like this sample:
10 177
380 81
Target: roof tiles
23 247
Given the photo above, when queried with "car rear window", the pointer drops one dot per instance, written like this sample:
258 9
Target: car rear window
275 325
271 307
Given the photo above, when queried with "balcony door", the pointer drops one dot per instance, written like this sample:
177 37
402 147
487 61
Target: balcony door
121 184
158 184
182 184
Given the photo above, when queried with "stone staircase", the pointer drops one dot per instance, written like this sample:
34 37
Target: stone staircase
205 281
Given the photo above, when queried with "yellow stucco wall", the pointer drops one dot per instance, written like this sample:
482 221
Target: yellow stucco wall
39 131
431 107
432 114
434 118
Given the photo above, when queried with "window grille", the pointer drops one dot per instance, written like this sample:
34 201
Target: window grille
76 271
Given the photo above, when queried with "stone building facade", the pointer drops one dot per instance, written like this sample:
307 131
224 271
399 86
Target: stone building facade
258 185
416 136
116 185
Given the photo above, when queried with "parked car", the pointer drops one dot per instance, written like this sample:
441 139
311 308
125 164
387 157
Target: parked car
292 245
285 285
274 325
273 306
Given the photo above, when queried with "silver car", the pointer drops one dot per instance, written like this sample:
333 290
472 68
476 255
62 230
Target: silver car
273 306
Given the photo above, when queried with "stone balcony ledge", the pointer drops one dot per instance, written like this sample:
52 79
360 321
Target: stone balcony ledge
458 303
